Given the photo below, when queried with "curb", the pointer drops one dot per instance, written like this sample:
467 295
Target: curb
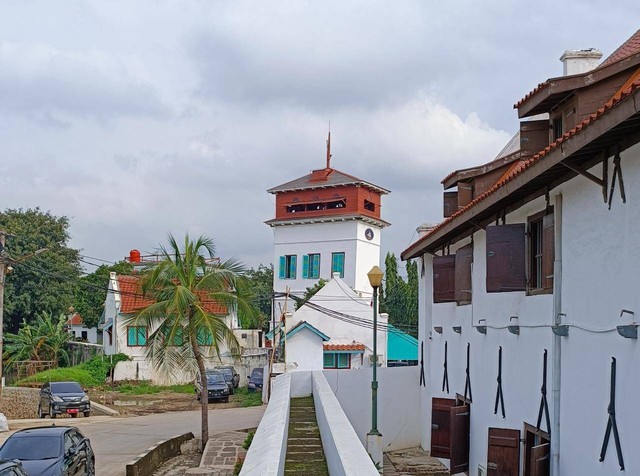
103 410
146 463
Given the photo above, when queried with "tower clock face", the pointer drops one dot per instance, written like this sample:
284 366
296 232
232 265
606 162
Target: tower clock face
368 234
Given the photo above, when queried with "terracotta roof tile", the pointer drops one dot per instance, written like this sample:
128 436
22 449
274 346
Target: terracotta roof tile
132 299
523 165
628 48
354 346
74 320
534 91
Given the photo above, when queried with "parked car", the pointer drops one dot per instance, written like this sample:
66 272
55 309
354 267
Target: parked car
217 388
11 468
51 451
58 398
230 375
256 379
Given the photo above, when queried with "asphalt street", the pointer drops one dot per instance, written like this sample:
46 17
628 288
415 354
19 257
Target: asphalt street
116 440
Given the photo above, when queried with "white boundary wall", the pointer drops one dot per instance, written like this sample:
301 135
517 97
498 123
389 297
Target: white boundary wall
268 450
398 403
343 450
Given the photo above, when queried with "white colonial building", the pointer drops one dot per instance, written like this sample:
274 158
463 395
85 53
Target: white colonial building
529 287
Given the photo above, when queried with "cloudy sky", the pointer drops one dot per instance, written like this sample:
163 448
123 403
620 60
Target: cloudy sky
136 119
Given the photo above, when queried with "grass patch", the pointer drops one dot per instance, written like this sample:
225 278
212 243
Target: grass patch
146 388
247 441
92 373
244 398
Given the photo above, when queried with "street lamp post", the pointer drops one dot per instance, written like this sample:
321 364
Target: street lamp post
374 437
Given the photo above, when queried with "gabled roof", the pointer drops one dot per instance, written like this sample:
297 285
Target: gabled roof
554 90
132 299
324 178
543 168
305 325
74 320
400 345
628 48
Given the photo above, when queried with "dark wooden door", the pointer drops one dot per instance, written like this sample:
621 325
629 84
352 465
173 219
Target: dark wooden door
503 456
539 463
460 419
441 427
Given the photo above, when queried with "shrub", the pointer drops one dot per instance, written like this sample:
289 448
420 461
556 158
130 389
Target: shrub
248 440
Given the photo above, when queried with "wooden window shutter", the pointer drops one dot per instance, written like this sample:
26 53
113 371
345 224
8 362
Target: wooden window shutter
282 268
305 266
293 266
441 427
503 454
540 460
465 193
444 273
450 203
464 259
460 420
548 251
506 258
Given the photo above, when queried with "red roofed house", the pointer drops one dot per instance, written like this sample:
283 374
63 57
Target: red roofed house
529 286
76 327
125 299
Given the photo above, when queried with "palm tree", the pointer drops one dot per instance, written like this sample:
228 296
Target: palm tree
193 294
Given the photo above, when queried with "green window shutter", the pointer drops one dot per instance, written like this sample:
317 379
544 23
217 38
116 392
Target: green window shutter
315 266
343 361
142 336
305 267
204 337
329 361
337 263
131 336
283 265
293 267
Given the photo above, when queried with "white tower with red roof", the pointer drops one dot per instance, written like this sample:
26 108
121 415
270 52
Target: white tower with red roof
326 222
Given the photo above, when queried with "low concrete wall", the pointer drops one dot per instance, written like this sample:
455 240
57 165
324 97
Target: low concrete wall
268 450
343 450
398 403
148 462
18 403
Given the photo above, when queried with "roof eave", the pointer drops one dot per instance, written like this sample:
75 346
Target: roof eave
466 222
297 221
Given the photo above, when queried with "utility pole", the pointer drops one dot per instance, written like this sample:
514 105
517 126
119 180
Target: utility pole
2 277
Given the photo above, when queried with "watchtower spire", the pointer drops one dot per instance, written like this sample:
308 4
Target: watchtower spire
329 148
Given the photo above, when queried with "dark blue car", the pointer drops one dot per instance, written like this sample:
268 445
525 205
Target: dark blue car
255 380
51 451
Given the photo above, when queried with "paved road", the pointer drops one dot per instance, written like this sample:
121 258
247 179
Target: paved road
116 441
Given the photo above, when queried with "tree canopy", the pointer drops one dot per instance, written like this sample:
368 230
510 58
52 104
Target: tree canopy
260 283
399 298
42 282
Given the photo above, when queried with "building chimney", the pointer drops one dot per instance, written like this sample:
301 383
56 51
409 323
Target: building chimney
579 61
424 229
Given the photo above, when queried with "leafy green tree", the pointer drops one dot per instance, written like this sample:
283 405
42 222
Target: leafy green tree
91 291
42 282
310 292
399 298
43 340
185 331
260 281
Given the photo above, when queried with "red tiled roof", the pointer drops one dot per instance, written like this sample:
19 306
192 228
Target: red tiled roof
74 320
628 48
132 299
530 94
519 167
354 346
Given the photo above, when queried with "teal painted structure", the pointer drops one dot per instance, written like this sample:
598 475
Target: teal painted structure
400 345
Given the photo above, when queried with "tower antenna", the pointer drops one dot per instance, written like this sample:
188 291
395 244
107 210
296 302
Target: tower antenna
329 147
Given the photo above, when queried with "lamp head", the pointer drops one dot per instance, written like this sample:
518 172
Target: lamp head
375 277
